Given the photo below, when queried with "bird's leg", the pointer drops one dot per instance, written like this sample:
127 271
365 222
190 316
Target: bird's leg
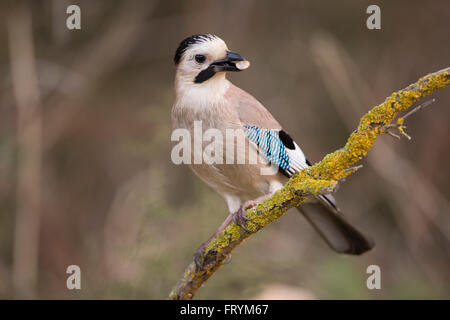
199 254
240 218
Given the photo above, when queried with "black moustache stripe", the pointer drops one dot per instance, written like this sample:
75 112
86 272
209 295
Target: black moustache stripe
205 74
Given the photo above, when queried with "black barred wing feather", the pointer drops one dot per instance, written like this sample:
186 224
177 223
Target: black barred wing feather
278 148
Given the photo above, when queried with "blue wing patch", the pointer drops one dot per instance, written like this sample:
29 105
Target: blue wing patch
270 143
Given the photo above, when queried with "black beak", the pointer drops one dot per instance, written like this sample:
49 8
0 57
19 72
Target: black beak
227 64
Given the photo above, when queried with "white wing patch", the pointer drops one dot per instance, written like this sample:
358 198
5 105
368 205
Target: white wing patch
297 160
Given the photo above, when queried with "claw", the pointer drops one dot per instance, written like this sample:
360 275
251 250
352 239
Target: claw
199 256
240 218
228 260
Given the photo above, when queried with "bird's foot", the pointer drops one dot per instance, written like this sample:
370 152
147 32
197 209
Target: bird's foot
199 255
239 216
228 260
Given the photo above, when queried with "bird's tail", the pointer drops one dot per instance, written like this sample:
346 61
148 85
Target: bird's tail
339 234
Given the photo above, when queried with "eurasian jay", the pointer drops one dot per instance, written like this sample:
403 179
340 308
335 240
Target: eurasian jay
202 93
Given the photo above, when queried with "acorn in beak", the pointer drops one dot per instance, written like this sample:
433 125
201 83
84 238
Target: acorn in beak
232 62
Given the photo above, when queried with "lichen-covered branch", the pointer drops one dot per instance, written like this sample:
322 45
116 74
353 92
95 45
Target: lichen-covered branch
323 177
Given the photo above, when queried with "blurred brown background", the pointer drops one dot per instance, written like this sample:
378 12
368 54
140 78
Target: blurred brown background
85 170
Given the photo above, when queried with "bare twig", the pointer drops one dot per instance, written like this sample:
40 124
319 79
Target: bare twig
399 125
420 106
322 176
404 182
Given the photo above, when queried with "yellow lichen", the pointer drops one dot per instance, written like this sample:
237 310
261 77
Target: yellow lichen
322 177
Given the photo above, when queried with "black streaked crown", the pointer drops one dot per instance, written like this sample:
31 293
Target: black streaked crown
189 41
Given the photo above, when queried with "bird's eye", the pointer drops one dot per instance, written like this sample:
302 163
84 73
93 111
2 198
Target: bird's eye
200 58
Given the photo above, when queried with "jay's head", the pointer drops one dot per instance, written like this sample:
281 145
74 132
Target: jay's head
202 57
